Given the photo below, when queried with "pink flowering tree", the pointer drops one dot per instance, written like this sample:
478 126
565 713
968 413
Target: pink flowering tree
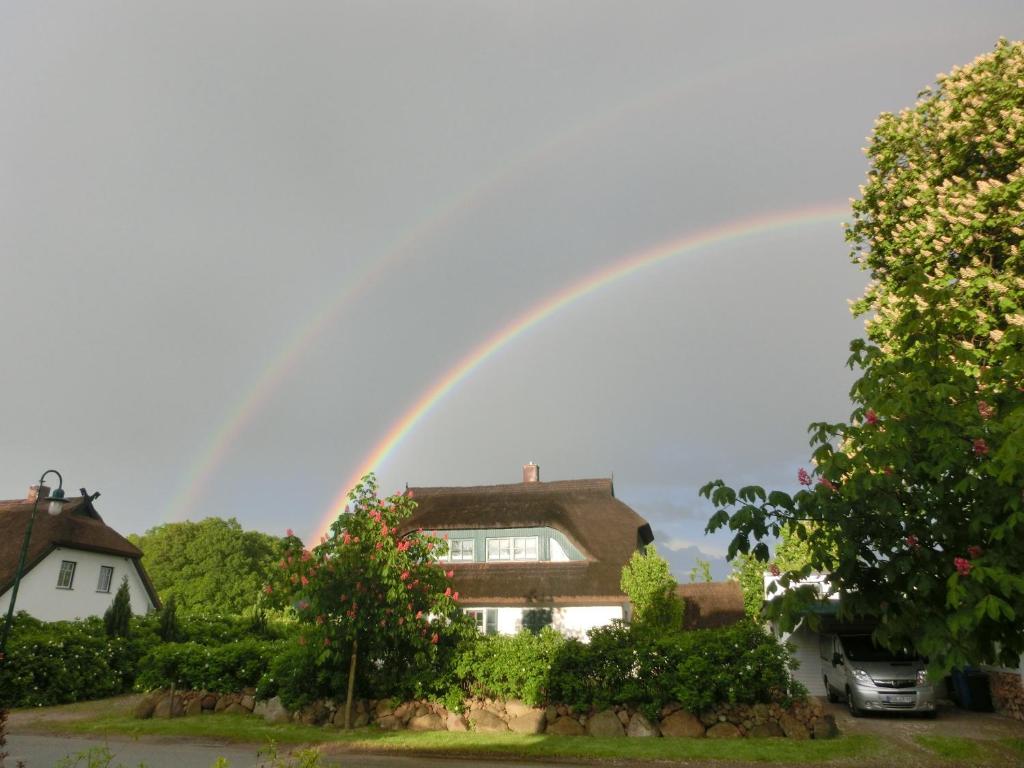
915 506
372 600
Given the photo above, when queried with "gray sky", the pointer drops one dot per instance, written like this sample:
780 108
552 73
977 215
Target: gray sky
238 241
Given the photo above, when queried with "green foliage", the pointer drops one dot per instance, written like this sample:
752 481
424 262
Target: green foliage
388 594
741 664
169 630
303 758
62 662
701 572
536 619
118 616
296 675
223 668
749 572
917 512
510 666
212 566
648 582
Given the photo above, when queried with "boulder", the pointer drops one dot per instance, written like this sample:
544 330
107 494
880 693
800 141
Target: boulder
682 724
210 701
389 723
532 721
485 721
272 710
641 726
515 708
669 708
825 728
565 726
144 709
551 713
236 708
768 730
405 711
455 722
248 702
623 716
168 707
426 722
605 724
383 708
313 714
225 701
194 707
793 728
723 731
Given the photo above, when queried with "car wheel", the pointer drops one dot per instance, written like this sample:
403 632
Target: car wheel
830 692
851 704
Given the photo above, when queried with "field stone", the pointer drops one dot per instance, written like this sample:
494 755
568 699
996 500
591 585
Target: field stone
167 707
516 708
605 724
723 731
194 707
769 730
825 728
426 722
485 721
565 726
389 723
455 722
793 728
272 710
530 722
682 724
248 702
551 713
236 708
144 709
640 726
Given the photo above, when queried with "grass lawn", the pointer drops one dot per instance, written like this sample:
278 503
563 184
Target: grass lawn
245 728
965 751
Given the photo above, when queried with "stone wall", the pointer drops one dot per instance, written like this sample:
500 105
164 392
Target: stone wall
1007 693
803 720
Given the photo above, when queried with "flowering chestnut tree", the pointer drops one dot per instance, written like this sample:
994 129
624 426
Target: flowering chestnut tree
366 593
915 504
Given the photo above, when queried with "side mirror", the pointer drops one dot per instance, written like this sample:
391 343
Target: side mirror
837 659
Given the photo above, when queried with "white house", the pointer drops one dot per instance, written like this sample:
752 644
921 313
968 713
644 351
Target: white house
803 641
75 561
531 554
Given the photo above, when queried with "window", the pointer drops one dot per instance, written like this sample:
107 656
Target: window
512 548
486 620
67 574
460 549
106 576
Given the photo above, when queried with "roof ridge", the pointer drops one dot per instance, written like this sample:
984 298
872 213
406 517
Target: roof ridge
597 484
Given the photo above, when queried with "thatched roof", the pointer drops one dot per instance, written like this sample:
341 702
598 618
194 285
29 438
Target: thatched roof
78 526
602 528
711 604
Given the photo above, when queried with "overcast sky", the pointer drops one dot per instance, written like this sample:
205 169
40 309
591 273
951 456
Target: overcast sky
240 240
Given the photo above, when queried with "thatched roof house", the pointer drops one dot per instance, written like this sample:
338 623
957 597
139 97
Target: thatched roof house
711 604
554 547
75 561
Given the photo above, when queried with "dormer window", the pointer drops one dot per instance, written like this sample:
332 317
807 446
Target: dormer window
512 548
460 550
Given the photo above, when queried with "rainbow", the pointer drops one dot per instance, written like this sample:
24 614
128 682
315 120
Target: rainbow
729 232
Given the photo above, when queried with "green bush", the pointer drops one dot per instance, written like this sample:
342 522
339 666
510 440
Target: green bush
62 662
294 675
510 666
742 664
223 668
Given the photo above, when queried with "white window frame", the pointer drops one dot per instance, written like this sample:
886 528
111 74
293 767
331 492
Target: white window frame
108 571
480 617
513 548
463 556
66 574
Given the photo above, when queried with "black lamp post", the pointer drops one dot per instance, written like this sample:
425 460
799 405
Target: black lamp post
56 499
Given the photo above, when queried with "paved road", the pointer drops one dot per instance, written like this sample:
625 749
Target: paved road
39 751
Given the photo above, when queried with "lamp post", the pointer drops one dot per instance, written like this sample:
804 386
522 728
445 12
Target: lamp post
56 499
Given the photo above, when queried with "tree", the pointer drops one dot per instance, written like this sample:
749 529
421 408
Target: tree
168 629
212 566
749 572
366 590
701 571
914 505
118 616
648 582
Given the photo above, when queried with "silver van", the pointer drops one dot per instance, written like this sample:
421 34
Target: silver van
874 679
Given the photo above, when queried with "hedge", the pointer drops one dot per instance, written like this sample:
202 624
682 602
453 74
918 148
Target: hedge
222 668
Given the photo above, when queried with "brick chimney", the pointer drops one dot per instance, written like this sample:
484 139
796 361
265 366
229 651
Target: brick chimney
38 492
531 473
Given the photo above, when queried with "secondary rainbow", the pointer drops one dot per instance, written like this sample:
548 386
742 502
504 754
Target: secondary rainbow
732 231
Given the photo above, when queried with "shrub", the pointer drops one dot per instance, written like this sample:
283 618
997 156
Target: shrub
223 668
741 664
294 675
168 629
510 666
119 615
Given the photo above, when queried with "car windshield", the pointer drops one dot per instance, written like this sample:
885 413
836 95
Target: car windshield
863 648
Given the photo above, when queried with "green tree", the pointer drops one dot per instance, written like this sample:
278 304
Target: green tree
701 572
118 616
168 628
365 590
915 505
749 572
212 566
651 589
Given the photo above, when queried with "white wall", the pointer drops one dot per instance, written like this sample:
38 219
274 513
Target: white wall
806 650
573 621
39 595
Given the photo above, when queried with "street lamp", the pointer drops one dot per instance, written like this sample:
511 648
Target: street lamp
56 499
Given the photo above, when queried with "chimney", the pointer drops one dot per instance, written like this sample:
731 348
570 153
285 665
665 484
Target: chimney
38 492
531 473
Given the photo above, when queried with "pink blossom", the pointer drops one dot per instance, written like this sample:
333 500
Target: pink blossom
289 533
455 596
975 551
268 589
980 447
803 477
303 605
448 592
449 574
346 538
871 417
306 555
304 581
434 638
912 541
963 566
384 530
773 569
985 410
404 576
419 615
827 483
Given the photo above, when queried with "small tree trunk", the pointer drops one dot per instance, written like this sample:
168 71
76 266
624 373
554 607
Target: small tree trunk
170 709
351 685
